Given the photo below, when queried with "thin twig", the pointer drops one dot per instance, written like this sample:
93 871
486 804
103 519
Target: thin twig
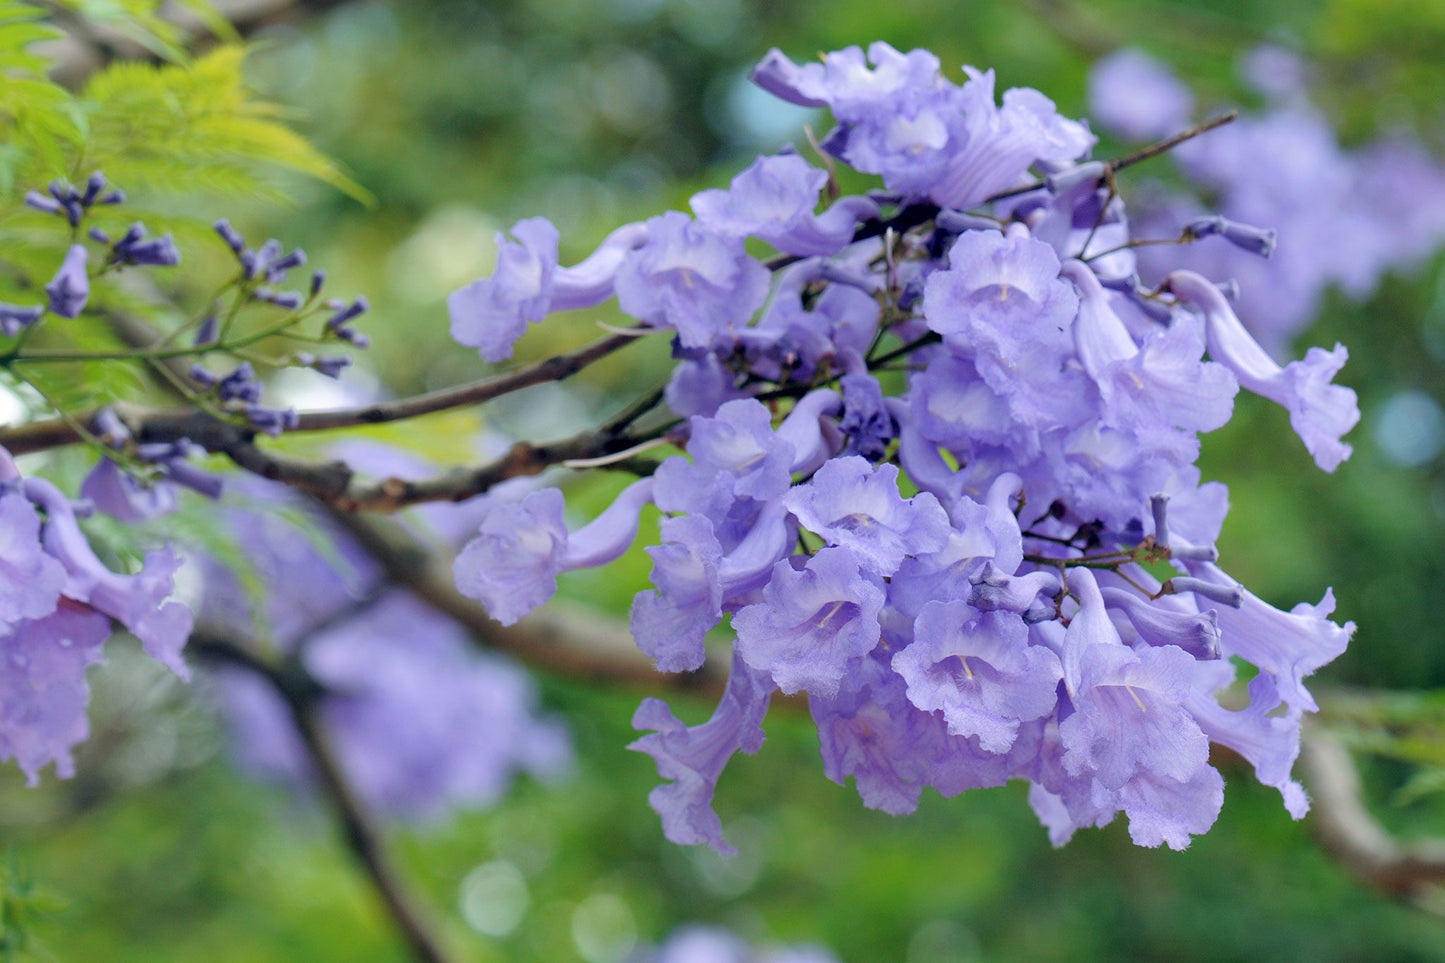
1169 143
557 368
1129 160
172 424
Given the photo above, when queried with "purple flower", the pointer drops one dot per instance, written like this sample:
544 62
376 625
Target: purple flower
1160 809
1286 645
1255 240
812 623
852 504
773 200
607 536
266 262
691 759
43 693
1165 811
1156 624
1128 714
707 944
810 431
491 314
1151 388
952 405
687 277
229 234
117 493
925 136
1275 71
735 454
337 325
139 601
1135 96
70 288
327 366
14 318
701 387
240 385
844 82
422 723
1285 168
669 624
993 591
1319 411
307 582
995 146
135 248
982 535
511 565
893 749
791 340
866 421
30 580
1269 741
979 671
1002 302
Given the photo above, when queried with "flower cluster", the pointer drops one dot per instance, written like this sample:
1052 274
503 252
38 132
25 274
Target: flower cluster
1381 205
69 290
936 453
239 390
57 600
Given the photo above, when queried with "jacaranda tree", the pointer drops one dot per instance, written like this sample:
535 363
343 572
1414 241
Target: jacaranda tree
924 467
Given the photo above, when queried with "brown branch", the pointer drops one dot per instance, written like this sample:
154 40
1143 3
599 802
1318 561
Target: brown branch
298 690
363 839
336 484
556 640
1349 833
574 643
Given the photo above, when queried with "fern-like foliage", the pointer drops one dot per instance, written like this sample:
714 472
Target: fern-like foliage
158 131
193 126
39 125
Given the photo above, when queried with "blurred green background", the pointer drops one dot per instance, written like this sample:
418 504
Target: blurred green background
462 117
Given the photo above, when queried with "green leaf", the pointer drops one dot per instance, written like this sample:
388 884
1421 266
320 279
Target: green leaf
195 126
38 126
1427 782
82 385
